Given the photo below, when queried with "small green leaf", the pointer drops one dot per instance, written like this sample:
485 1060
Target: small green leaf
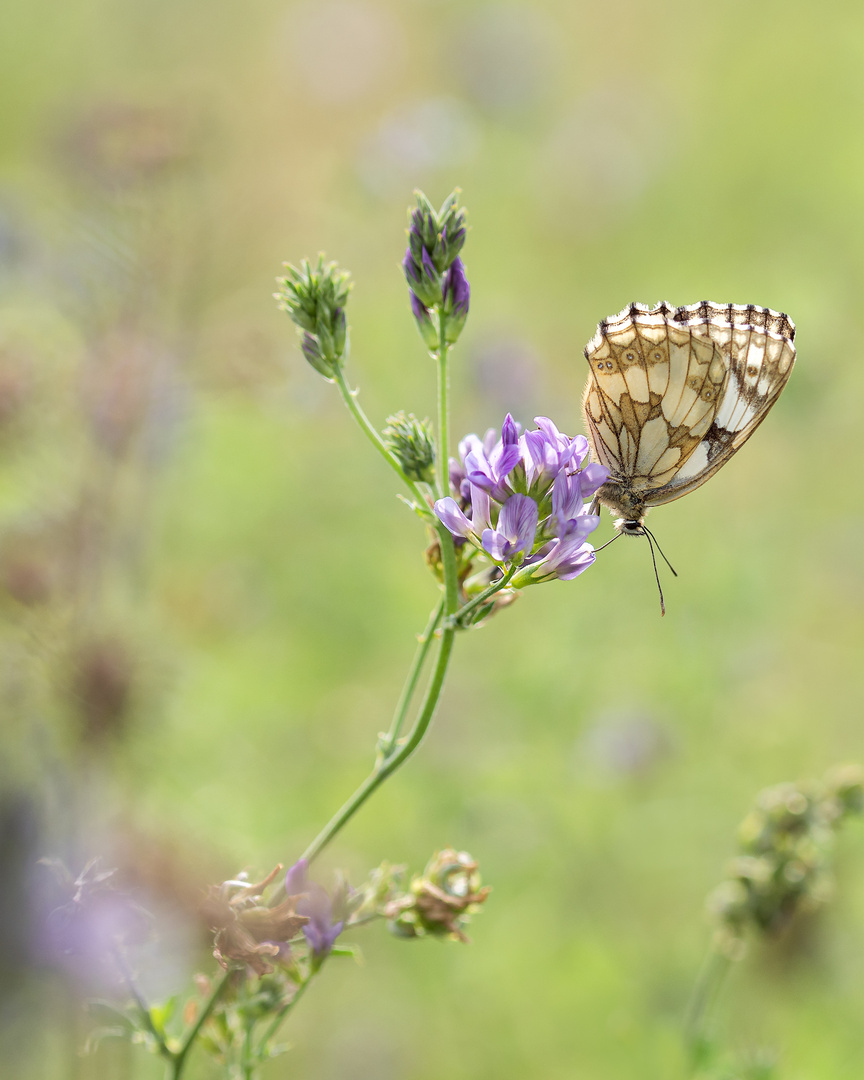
161 1014
349 950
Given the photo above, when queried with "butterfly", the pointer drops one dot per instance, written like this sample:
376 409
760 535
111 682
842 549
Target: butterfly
674 392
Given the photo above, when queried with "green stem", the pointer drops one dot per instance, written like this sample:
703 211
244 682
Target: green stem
280 1016
442 457
481 599
390 763
349 396
192 1035
398 754
448 549
708 983
424 643
141 1005
247 1060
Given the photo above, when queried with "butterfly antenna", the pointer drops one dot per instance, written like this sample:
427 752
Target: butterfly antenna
651 543
651 537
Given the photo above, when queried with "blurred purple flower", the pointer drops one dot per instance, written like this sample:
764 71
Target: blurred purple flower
84 934
314 902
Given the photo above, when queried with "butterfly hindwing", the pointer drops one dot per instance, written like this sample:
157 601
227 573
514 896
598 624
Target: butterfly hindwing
674 392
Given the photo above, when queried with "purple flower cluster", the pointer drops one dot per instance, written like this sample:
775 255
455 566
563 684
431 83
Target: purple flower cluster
521 500
323 927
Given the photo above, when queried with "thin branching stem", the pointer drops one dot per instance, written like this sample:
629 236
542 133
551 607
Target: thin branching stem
398 754
349 396
202 1018
442 456
482 598
711 977
276 1022
424 643
141 1006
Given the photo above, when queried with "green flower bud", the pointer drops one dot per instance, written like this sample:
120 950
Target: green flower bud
427 323
315 298
412 442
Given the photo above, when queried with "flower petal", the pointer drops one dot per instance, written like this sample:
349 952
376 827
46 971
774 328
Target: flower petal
452 517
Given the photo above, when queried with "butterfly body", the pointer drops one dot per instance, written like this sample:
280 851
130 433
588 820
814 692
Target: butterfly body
674 392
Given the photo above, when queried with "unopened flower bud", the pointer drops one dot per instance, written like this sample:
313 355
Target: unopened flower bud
315 298
311 349
457 295
413 444
427 323
434 242
424 280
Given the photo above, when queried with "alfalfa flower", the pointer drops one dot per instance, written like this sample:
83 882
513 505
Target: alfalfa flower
324 914
522 500
314 298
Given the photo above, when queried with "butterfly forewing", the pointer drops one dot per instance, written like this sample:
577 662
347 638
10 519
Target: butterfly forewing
674 392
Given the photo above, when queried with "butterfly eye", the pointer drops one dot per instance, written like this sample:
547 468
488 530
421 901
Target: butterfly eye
707 395
656 355
630 357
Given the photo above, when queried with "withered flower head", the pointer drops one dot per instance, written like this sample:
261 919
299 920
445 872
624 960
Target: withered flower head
247 931
441 901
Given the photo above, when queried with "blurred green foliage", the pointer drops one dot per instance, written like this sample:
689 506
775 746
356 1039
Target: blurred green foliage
211 592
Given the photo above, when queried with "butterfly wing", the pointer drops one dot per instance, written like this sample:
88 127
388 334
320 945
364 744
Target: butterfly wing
757 346
652 395
674 392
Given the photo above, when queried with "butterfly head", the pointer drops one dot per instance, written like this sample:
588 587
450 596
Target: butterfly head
635 527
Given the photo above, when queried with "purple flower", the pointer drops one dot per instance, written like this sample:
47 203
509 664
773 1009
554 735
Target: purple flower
83 933
517 526
449 513
521 500
295 879
322 929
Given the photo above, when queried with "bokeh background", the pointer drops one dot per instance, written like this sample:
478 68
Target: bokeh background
209 590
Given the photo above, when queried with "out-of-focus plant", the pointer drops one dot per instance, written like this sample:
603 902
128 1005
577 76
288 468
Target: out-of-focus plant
783 869
511 511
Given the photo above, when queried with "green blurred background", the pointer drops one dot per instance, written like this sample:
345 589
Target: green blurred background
210 591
